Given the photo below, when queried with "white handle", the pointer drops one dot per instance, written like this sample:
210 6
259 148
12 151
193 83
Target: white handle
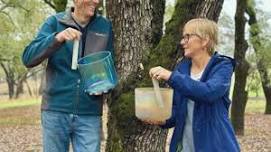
157 93
75 54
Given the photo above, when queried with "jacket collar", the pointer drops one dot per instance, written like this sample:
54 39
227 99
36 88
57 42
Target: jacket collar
69 21
210 64
216 58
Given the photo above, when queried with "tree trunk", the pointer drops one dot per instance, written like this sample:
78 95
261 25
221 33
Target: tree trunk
137 32
240 95
10 78
262 68
11 86
28 88
134 30
19 89
266 84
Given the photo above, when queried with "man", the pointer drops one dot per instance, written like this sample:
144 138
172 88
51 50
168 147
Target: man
68 113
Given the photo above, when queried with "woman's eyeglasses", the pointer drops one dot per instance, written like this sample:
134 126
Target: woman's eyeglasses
186 37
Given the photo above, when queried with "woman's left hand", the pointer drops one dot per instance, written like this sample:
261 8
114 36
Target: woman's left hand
160 73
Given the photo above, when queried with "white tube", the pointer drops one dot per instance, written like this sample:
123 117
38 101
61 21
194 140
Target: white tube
75 54
157 93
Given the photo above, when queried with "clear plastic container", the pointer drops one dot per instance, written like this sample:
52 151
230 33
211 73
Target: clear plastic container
98 72
147 107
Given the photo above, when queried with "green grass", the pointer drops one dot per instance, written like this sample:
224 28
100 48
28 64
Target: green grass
19 112
255 106
27 111
18 121
18 103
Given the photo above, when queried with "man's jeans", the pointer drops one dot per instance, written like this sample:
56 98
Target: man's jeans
60 128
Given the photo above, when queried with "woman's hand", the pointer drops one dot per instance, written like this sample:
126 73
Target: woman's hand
160 73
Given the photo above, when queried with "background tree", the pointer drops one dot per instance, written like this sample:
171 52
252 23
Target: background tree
135 25
57 5
16 31
226 34
261 57
253 80
6 27
240 94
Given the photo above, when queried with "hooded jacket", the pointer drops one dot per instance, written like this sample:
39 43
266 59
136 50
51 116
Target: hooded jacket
212 130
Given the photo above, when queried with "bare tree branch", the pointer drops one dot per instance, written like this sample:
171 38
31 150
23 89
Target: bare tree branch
12 4
6 4
3 7
9 17
2 59
49 2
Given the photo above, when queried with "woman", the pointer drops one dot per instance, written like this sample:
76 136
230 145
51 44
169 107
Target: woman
201 83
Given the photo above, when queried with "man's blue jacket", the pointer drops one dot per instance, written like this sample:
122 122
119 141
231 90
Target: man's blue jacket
64 91
212 130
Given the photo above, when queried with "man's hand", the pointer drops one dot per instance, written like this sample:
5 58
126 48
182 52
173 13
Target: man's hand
68 34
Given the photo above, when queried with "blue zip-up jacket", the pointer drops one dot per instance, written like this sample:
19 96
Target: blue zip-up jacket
64 91
212 129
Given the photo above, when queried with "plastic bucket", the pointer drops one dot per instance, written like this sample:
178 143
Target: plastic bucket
98 72
147 107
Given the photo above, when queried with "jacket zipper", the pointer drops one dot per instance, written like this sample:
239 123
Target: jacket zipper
77 97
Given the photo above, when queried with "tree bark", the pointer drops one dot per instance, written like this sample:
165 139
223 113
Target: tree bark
240 94
137 32
28 88
134 29
262 68
19 89
10 78
137 27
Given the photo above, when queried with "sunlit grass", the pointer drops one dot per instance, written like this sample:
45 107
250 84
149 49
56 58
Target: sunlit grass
18 103
20 112
255 106
17 121
27 111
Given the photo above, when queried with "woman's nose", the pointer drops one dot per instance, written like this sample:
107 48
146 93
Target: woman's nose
182 42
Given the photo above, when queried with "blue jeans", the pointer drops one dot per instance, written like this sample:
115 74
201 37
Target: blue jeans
59 129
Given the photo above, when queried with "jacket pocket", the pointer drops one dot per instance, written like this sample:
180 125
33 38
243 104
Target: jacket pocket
95 42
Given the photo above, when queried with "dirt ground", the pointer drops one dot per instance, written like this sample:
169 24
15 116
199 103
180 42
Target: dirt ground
20 131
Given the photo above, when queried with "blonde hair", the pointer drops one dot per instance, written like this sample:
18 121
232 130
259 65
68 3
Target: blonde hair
206 29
